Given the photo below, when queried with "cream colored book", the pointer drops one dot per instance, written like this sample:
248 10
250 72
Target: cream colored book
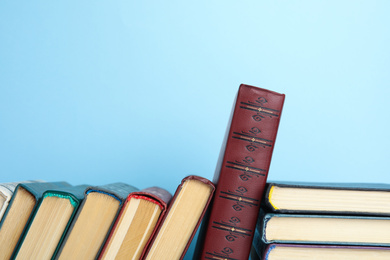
50 222
322 252
93 221
183 217
139 217
20 210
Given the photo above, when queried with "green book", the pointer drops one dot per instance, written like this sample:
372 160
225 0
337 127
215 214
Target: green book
20 210
50 222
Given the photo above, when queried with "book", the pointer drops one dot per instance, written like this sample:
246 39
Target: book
93 221
133 229
325 229
182 219
321 252
328 198
6 192
47 227
241 174
19 211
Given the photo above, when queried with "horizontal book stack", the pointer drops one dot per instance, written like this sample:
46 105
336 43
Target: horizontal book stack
55 220
323 221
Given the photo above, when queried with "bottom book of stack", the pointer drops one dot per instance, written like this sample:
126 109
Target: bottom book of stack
323 221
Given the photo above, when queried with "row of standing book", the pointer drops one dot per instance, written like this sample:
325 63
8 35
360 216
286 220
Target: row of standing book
54 220
242 214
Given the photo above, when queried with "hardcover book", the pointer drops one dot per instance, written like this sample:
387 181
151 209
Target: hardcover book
241 174
53 216
6 192
20 210
325 229
93 221
322 252
328 198
182 219
133 229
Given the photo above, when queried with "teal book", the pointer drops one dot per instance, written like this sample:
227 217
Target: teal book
50 222
325 229
20 210
328 198
93 221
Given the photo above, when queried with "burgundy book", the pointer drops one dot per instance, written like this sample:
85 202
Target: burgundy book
241 174
126 239
183 217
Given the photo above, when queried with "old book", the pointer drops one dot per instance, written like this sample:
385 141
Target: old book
45 231
241 174
322 252
182 219
328 198
21 208
325 229
93 221
139 216
6 192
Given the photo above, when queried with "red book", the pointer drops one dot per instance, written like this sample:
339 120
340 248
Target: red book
241 174
136 223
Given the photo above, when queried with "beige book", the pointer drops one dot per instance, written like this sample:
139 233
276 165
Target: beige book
182 219
94 221
133 230
321 252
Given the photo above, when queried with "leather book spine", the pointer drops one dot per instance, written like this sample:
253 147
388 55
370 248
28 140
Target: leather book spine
241 174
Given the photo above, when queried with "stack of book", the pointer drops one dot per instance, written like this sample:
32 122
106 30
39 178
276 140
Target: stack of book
55 220
323 221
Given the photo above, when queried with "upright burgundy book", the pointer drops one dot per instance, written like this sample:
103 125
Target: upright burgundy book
241 174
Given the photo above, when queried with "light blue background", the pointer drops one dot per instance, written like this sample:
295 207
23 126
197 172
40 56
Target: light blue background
141 91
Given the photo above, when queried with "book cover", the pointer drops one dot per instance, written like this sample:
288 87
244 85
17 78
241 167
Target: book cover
45 242
190 201
19 213
241 174
325 229
156 195
93 221
328 198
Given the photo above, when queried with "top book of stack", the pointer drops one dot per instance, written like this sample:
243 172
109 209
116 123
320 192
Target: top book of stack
328 198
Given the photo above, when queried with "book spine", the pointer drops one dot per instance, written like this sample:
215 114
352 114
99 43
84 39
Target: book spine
241 174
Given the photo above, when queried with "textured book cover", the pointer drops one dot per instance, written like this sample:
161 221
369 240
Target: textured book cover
241 174
75 195
329 198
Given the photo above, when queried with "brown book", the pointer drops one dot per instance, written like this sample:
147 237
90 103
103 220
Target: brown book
133 229
241 175
182 219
